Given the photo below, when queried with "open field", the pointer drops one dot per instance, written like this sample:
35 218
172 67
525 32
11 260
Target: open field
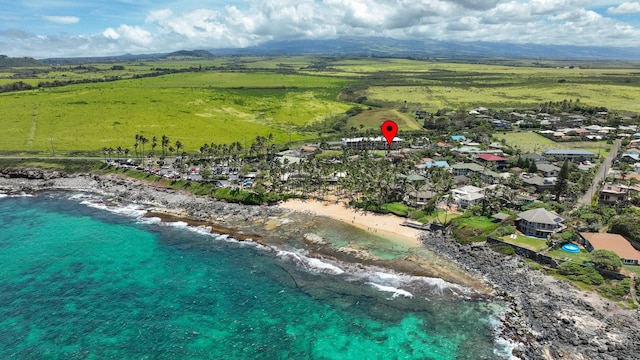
529 141
238 98
372 119
195 108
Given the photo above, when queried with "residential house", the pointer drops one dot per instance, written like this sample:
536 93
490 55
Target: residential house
461 180
611 194
467 195
458 138
538 182
473 169
429 163
309 150
536 157
498 161
574 155
548 170
612 242
631 156
421 197
539 222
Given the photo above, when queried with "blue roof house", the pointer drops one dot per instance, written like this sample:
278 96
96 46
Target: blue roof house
458 138
430 164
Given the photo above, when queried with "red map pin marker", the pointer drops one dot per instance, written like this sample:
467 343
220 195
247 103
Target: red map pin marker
389 130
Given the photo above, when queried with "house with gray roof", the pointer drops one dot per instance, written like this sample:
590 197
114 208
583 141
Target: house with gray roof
574 155
548 170
539 222
471 169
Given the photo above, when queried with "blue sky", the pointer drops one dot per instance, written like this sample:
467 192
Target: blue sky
55 28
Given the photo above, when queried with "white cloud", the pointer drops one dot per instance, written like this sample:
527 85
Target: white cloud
169 28
625 8
135 34
111 34
62 19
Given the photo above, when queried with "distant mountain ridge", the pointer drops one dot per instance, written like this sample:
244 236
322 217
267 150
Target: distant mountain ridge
189 54
388 47
433 48
7 62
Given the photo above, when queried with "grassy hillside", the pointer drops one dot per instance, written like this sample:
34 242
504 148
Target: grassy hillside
223 100
195 108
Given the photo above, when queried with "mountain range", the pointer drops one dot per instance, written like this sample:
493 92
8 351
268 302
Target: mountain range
387 47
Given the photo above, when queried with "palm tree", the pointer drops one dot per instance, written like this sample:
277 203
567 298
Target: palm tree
164 143
154 143
143 140
136 144
178 147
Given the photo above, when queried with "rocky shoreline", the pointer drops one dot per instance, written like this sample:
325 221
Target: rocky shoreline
551 318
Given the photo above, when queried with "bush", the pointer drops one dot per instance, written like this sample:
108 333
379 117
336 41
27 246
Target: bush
606 259
504 230
623 287
503 249
617 291
585 274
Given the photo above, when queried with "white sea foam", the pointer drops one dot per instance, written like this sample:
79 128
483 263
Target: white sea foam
396 292
310 263
427 286
3 196
150 220
504 348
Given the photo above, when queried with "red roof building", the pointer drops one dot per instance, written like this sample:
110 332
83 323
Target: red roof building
498 160
490 157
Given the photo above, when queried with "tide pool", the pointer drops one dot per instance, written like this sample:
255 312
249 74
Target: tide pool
78 282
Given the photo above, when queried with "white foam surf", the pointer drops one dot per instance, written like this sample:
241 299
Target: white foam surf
395 291
309 263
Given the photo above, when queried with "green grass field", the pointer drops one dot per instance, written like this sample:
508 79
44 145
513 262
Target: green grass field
529 141
249 96
195 108
373 119
526 242
580 257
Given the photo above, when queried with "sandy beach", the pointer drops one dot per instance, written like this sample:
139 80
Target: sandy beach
387 225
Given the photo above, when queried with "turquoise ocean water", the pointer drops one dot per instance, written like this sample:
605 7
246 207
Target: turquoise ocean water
80 282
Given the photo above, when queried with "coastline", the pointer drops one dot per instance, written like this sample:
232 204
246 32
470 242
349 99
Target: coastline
550 317
384 224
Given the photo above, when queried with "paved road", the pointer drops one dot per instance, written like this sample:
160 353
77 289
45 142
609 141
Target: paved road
597 180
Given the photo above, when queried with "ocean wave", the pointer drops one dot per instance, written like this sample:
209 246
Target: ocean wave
396 292
504 348
150 220
22 194
423 286
309 263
